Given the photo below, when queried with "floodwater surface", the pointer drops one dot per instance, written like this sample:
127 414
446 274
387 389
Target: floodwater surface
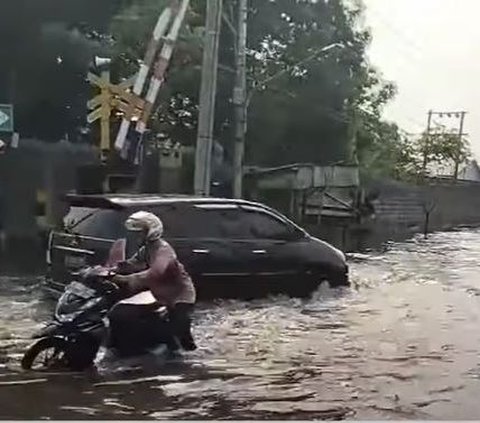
402 343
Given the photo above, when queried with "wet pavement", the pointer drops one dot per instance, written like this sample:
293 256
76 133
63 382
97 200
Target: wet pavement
401 343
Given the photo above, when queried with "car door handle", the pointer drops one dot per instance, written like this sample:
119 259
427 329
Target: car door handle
259 252
201 251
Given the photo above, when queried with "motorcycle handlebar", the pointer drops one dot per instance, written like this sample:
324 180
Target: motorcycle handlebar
111 284
99 275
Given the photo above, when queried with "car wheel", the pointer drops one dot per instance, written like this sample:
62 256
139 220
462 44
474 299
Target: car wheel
338 279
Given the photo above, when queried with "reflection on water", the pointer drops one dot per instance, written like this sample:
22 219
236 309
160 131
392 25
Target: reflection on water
402 343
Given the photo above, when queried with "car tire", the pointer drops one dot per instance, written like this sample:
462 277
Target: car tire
338 279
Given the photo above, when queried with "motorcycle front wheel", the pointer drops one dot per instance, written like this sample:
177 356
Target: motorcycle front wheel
58 353
45 354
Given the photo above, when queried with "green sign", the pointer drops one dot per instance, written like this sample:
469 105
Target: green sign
6 118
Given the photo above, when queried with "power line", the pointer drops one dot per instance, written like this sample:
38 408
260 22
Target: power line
399 33
411 47
458 115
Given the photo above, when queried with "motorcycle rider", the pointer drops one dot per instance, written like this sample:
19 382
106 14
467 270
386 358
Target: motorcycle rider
155 267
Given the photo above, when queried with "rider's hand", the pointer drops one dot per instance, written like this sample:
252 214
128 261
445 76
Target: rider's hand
122 267
116 279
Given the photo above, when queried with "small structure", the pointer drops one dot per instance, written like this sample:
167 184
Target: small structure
307 192
471 172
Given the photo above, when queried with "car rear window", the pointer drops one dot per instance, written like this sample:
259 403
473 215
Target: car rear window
98 223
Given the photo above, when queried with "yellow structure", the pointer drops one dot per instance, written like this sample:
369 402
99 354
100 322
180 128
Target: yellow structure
112 96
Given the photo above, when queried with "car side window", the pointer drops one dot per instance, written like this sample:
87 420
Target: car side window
233 225
221 222
185 221
265 226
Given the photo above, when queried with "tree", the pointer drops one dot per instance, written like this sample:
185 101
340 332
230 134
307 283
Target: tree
324 108
395 155
177 109
309 106
46 47
444 147
304 115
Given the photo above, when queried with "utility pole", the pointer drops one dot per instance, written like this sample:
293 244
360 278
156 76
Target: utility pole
353 133
208 91
458 114
105 119
427 141
460 135
240 98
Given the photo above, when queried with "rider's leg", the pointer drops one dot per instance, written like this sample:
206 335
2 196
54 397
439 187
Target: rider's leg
181 320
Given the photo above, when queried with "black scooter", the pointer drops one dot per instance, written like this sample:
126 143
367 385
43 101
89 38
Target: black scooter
81 323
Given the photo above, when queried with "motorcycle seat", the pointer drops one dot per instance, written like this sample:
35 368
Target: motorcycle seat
144 298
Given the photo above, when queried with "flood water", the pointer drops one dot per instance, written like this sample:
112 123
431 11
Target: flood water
402 343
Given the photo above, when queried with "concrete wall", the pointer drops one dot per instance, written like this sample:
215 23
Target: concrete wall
400 210
36 166
405 207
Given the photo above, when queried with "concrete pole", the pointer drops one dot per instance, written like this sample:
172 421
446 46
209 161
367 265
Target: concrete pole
208 91
427 143
105 120
460 136
240 98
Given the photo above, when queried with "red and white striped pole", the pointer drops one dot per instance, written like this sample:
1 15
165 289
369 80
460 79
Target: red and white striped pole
158 33
161 66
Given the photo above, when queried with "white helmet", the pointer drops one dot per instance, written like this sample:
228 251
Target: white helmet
146 222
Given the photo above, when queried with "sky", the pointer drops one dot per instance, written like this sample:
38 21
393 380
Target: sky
431 50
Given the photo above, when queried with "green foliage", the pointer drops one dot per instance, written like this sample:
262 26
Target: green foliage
177 110
403 158
444 146
306 105
45 49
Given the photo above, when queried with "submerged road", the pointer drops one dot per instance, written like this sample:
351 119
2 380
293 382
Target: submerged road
402 343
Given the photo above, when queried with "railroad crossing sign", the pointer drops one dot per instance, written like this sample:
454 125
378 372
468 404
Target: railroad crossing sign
127 96
111 96
6 118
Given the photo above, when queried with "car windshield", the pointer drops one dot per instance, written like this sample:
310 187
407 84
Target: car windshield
99 223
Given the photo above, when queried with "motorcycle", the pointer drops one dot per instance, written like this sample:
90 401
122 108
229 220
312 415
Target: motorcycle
82 322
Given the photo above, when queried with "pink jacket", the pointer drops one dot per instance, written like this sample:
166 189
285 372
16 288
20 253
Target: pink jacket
157 268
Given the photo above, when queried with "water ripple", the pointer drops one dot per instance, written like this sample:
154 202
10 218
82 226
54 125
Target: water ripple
402 343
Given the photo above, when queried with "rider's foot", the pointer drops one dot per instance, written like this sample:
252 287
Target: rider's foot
188 344
172 345
172 354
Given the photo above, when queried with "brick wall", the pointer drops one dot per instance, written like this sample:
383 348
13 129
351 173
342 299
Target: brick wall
402 206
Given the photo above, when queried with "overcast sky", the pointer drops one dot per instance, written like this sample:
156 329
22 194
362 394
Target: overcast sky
431 49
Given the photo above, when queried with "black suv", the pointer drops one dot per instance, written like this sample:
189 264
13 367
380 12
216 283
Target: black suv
232 248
